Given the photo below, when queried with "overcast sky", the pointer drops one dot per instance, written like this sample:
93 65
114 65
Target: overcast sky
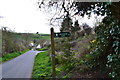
25 16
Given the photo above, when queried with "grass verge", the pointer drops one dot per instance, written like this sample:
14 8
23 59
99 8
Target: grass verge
42 66
11 56
42 49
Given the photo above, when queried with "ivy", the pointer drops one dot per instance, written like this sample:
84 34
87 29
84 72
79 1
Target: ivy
107 46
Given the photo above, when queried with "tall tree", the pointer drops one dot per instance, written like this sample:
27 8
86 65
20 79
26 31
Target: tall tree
76 26
67 25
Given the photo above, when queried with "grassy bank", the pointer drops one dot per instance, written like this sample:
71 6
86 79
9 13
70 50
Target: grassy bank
42 66
11 55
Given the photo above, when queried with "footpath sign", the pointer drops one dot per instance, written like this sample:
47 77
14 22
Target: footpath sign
56 35
61 34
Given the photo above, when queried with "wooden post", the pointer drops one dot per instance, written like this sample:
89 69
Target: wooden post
53 53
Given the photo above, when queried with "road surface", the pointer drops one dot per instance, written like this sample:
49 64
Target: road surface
19 67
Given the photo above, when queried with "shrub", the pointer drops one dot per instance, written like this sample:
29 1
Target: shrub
106 49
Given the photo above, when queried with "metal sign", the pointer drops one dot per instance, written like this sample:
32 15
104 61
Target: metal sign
62 34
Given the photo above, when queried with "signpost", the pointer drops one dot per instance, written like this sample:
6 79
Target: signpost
62 34
57 35
53 53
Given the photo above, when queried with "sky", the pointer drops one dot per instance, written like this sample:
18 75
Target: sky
25 16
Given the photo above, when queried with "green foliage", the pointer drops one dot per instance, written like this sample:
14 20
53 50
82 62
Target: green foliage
104 50
41 36
66 57
67 76
0 59
42 49
67 66
107 46
33 36
10 56
42 66
58 70
70 59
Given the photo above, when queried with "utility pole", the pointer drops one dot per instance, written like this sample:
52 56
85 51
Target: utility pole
53 53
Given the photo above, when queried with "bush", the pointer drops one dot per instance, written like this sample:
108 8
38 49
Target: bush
11 42
106 50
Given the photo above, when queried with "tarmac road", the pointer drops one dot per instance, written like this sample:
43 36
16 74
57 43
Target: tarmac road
20 67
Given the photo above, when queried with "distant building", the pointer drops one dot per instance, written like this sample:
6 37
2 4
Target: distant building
38 46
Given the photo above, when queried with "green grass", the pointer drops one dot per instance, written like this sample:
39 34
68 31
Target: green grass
11 56
42 49
42 66
34 36
0 59
41 37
